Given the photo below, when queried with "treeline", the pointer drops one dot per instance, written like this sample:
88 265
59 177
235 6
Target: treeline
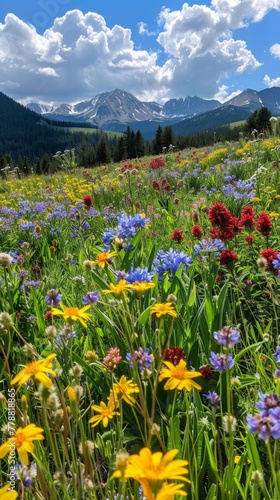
101 148
30 143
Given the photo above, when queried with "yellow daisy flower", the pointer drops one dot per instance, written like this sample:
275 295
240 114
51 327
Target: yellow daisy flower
72 314
153 470
118 289
141 287
5 494
23 442
123 390
166 308
104 258
179 376
106 412
36 370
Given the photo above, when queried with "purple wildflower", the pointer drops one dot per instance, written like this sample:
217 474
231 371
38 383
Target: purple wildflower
90 298
221 362
213 398
53 297
227 337
142 358
276 355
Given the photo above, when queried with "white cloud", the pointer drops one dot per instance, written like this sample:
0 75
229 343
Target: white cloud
144 31
80 56
275 50
271 82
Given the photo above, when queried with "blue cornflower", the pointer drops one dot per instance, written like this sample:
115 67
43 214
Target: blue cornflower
32 284
26 474
142 358
276 262
27 225
40 207
53 297
22 275
170 261
59 212
31 319
90 298
86 225
213 398
209 245
265 425
24 207
139 274
221 362
276 355
267 403
108 235
227 337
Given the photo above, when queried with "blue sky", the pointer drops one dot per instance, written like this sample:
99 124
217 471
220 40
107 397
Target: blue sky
55 51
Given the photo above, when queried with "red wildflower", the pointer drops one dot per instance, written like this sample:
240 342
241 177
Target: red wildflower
88 201
225 234
177 235
264 224
219 277
247 218
235 223
157 162
156 185
167 187
206 372
174 354
197 231
249 239
269 254
48 315
227 257
219 215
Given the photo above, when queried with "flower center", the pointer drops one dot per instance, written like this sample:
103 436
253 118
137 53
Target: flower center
32 368
20 438
72 311
178 372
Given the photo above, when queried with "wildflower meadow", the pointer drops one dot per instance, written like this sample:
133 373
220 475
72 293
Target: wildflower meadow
139 328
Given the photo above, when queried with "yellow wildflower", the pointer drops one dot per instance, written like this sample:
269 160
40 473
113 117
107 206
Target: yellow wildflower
163 309
179 377
37 371
72 314
23 442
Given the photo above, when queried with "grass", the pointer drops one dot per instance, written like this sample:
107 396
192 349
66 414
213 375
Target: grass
151 290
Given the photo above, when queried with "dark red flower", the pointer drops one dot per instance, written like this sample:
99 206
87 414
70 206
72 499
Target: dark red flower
87 200
235 223
177 235
167 187
156 185
157 162
206 372
225 234
249 239
264 224
227 257
247 218
174 354
48 315
269 254
219 215
219 277
197 231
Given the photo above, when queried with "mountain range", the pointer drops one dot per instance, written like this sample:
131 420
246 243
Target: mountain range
118 109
